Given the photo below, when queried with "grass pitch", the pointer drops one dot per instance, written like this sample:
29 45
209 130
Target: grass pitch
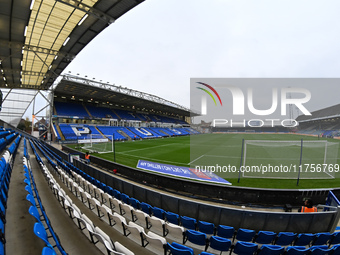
224 149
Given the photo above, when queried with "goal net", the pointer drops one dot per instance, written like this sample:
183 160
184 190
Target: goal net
96 143
281 159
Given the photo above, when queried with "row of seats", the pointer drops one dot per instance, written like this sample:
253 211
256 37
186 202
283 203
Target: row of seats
91 196
78 132
161 222
86 111
94 233
37 210
246 248
5 175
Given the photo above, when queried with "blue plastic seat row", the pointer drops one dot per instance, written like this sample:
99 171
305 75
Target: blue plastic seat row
247 248
5 174
37 209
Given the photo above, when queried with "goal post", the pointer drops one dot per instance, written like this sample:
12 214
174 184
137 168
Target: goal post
310 159
97 143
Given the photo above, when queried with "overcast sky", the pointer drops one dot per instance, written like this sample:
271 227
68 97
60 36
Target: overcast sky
159 45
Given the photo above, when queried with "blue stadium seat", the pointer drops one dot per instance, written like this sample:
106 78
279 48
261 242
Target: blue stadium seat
265 237
321 238
225 231
48 251
179 249
320 250
31 199
335 238
196 237
219 243
285 238
125 198
271 250
171 217
245 235
336 249
40 232
134 203
245 248
304 239
206 227
34 212
297 250
145 207
187 222
158 212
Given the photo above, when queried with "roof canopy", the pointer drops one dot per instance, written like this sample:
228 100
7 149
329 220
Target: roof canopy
76 89
39 39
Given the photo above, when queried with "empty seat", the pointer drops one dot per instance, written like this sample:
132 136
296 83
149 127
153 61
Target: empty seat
245 235
115 204
179 249
121 248
196 237
285 238
48 251
35 213
134 203
297 250
321 238
156 225
134 232
265 237
145 207
219 244
271 250
304 239
103 211
127 211
187 222
117 222
335 239
206 227
158 212
171 217
40 232
225 231
320 250
245 248
174 232
154 242
139 217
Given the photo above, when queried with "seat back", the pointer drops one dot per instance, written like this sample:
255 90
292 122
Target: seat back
285 238
206 227
225 231
196 237
297 250
271 250
265 237
171 217
245 235
304 239
219 243
187 222
179 249
245 248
